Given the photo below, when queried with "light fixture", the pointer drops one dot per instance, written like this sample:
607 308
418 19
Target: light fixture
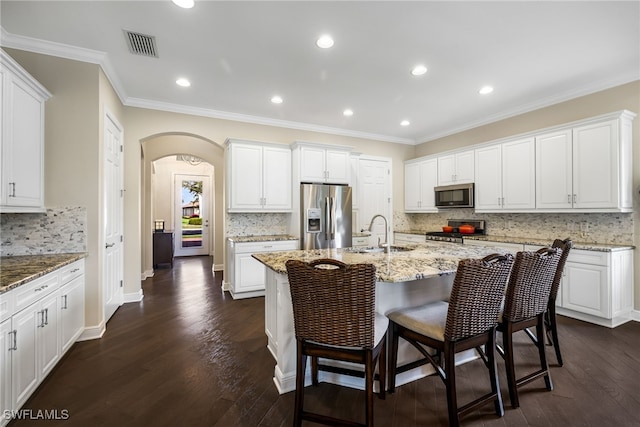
183 82
192 160
348 112
276 99
185 4
418 70
324 42
485 90
405 123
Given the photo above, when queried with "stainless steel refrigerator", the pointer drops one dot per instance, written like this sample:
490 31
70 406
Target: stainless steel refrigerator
326 216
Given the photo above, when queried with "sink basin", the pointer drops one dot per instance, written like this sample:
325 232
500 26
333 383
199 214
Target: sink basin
375 249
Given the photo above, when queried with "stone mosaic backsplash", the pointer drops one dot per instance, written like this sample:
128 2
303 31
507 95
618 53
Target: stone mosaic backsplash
257 224
59 230
607 228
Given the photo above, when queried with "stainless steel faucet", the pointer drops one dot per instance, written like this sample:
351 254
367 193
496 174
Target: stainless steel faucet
384 245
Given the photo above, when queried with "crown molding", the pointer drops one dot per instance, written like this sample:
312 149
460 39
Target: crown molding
101 58
527 108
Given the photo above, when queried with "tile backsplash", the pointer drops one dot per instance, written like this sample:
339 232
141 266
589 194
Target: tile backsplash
257 224
606 228
59 230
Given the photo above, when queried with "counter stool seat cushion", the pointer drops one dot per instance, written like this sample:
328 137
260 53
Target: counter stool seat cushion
428 320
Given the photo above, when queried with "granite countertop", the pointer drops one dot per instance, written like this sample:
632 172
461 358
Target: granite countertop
422 261
18 270
266 238
589 246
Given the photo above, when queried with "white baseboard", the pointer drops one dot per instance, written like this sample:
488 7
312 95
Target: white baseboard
93 332
133 297
635 315
218 267
147 274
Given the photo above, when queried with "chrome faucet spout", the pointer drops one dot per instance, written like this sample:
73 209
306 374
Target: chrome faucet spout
384 245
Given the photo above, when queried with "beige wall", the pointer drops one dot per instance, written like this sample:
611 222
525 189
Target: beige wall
72 152
618 98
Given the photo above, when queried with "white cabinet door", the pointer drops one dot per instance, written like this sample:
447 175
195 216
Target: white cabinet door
595 165
249 274
338 166
585 289
71 312
419 181
277 178
6 348
259 177
554 188
48 343
246 177
488 185
312 164
518 175
24 362
456 168
22 139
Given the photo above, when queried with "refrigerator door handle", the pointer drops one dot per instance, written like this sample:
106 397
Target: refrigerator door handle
327 218
333 218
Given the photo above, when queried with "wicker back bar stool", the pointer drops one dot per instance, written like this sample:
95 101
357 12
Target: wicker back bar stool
468 321
334 318
550 317
525 304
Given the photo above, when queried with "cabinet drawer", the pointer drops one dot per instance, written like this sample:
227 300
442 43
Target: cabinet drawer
409 238
71 271
287 245
35 290
588 257
360 241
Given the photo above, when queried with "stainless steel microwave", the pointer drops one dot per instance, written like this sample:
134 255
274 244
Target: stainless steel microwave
454 196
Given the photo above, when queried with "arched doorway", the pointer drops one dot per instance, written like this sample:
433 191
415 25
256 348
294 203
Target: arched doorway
170 146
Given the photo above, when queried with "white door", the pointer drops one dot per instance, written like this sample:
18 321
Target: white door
113 255
554 187
192 201
375 184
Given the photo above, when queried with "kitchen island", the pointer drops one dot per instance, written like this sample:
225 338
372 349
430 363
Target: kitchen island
407 276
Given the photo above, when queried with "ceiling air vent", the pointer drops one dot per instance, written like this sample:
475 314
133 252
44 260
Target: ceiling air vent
141 44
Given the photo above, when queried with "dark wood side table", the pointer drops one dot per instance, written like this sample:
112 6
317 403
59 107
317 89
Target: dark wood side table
162 248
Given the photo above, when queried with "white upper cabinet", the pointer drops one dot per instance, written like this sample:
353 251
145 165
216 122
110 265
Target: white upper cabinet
22 133
586 167
505 176
258 177
456 168
420 178
319 163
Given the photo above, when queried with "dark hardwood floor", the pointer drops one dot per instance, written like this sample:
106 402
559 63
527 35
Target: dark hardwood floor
190 355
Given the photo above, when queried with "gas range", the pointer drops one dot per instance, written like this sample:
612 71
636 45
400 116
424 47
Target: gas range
456 236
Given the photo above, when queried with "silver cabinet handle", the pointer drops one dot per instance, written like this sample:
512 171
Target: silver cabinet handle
575 198
15 340
109 245
41 313
65 306
12 191
74 270
46 316
568 198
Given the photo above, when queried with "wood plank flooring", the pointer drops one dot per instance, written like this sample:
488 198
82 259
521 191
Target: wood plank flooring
190 355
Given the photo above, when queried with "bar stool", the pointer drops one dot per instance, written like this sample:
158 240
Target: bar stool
525 304
334 318
466 322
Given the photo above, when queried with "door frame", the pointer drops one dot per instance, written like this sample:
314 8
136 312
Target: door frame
207 207
364 222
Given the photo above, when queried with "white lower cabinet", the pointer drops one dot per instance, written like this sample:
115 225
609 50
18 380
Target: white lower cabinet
247 277
408 238
597 286
45 320
360 241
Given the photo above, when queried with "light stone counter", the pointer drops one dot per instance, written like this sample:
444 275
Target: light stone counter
265 238
19 270
431 259
601 247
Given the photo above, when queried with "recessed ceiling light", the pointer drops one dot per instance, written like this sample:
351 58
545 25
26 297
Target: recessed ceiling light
183 82
324 42
485 90
185 4
405 123
276 99
348 112
418 70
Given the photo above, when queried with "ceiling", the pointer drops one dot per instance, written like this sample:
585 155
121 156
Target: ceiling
238 54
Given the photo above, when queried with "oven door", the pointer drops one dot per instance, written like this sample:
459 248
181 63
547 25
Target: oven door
454 196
